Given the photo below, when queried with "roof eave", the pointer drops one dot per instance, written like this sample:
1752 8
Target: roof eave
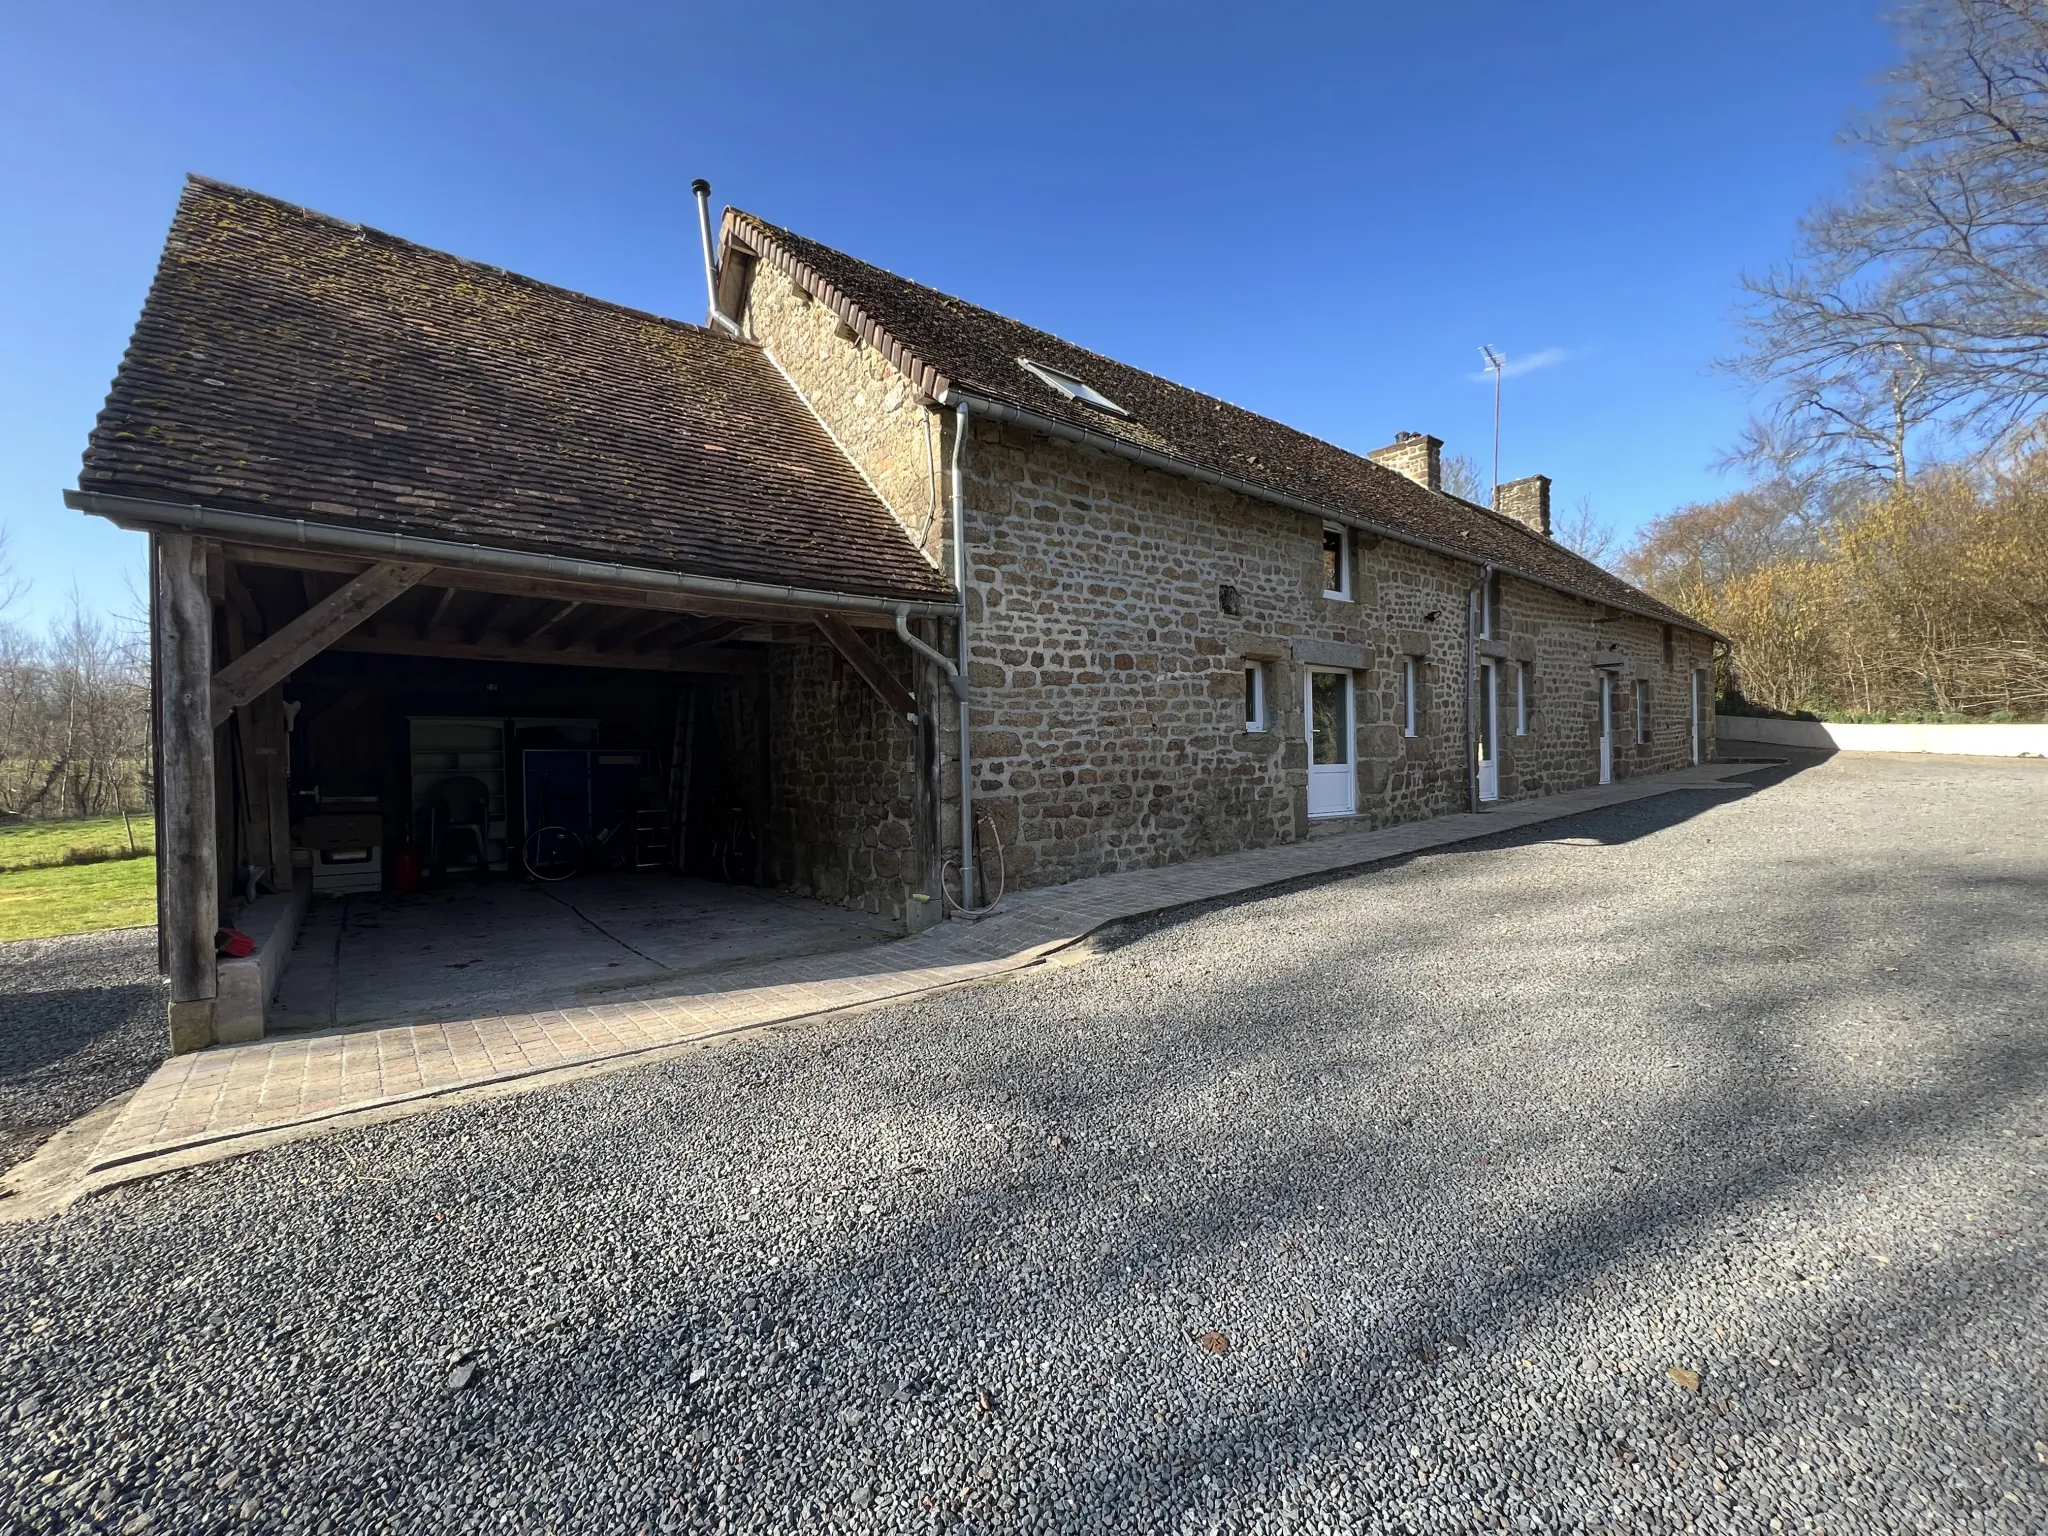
145 513
756 239
752 235
1170 464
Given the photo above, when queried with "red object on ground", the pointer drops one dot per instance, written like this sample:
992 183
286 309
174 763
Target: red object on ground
405 869
233 943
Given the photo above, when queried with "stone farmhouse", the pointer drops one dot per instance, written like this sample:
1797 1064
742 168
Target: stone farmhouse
857 590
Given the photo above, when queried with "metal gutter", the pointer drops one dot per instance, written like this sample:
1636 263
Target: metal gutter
1108 443
139 512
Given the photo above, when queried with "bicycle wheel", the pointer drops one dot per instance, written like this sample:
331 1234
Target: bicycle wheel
736 853
553 853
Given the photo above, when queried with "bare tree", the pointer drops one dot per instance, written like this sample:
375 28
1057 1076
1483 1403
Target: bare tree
1920 300
74 718
1583 532
1463 479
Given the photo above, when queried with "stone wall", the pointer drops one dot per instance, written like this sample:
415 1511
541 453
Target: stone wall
869 408
1108 677
844 790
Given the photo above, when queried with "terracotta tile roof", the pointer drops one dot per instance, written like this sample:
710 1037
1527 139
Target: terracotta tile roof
290 364
941 342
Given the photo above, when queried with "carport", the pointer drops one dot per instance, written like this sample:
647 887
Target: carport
476 602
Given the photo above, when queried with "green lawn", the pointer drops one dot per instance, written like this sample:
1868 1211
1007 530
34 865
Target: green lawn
77 898
41 895
36 844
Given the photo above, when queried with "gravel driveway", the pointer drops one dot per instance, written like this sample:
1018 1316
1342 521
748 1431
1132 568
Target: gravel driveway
81 1019
1407 1201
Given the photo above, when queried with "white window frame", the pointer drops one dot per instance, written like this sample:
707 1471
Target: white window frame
1521 698
1255 722
1410 688
1063 383
1342 591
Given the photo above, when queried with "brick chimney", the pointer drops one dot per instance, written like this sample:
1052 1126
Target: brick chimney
1415 454
1527 501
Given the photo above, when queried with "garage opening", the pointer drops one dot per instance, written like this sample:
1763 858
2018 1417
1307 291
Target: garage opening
503 801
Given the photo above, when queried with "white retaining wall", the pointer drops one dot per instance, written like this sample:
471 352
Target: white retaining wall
1964 740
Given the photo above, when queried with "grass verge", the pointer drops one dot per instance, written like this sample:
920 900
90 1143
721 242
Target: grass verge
41 844
77 898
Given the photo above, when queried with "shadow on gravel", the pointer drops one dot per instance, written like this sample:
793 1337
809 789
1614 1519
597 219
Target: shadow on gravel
1609 827
1732 1141
1474 1210
38 1030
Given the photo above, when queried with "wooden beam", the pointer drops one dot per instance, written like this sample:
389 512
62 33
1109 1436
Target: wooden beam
546 622
243 604
489 649
633 626
863 660
505 584
347 703
184 649
693 637
486 622
448 595
309 634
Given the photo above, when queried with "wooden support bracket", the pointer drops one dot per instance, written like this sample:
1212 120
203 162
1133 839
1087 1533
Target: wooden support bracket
305 637
848 643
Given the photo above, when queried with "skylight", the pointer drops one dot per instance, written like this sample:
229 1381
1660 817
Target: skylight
1071 387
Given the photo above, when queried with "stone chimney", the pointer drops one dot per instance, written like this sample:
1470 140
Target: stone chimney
1527 501
1415 454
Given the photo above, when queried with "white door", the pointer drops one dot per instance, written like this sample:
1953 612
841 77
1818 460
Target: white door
1489 731
1332 775
1695 718
1606 729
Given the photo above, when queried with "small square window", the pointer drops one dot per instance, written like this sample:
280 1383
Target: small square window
1336 561
1411 694
1254 696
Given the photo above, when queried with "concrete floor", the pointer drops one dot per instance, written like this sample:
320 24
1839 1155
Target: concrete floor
468 950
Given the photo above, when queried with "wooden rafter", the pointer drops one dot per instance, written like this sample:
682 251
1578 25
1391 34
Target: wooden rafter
848 643
504 584
631 627
696 637
501 650
441 606
306 636
488 621
547 620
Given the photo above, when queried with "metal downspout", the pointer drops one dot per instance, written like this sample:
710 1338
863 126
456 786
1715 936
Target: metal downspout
967 872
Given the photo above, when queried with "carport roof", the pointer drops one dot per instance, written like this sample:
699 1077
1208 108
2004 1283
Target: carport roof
292 365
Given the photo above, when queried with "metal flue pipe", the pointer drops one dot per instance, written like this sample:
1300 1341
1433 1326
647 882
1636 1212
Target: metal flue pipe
701 189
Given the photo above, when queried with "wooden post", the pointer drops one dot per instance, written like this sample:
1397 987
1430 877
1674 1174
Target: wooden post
764 793
267 745
185 798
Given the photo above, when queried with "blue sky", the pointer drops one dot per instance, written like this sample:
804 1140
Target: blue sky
1316 211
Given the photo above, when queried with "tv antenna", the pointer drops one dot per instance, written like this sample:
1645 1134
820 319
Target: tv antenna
1495 364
